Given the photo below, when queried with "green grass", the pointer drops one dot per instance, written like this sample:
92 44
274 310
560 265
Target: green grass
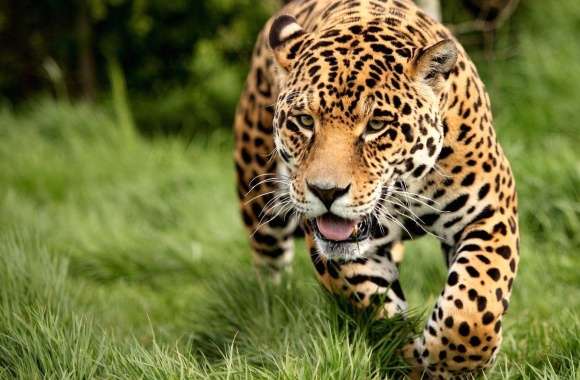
124 257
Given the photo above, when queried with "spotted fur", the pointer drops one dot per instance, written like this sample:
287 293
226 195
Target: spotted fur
433 167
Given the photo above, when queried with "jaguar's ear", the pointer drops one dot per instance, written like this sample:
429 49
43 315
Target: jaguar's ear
286 38
435 61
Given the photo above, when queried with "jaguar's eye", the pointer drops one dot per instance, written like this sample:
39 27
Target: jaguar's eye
376 125
305 121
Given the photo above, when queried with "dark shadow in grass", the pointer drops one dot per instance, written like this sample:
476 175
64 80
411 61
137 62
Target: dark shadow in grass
273 325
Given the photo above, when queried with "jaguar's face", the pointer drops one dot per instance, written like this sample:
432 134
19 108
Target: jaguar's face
352 119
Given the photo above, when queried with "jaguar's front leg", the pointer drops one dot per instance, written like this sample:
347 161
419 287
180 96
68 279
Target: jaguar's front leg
260 175
463 334
365 281
271 231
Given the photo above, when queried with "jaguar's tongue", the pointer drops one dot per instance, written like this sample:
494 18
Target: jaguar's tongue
334 228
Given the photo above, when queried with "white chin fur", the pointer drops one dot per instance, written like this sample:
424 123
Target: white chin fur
342 251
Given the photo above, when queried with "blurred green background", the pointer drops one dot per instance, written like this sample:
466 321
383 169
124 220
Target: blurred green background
122 254
184 61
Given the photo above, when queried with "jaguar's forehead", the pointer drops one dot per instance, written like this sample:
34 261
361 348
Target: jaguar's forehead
348 68
357 46
331 104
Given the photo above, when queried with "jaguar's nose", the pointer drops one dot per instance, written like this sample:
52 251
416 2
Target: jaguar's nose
327 194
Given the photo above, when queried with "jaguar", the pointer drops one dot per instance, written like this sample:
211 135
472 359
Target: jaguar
362 124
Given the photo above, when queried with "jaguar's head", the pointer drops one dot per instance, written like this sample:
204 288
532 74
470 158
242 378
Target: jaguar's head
358 111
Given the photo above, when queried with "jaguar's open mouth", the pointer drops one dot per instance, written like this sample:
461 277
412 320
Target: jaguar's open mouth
335 229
